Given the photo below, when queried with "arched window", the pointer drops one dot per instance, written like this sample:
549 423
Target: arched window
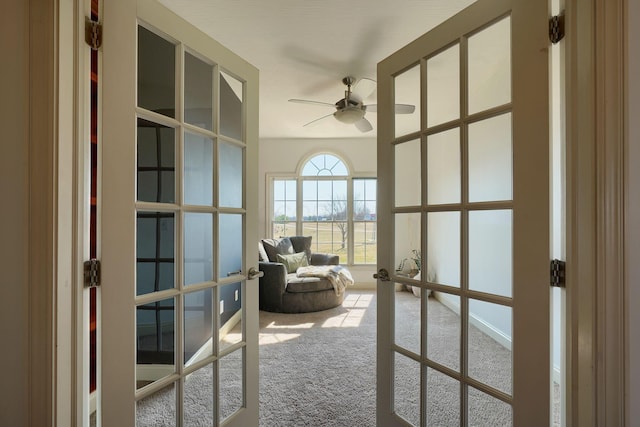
326 201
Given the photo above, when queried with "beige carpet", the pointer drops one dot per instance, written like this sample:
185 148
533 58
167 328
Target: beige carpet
319 369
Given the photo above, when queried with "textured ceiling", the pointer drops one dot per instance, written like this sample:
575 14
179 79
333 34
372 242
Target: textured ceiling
303 48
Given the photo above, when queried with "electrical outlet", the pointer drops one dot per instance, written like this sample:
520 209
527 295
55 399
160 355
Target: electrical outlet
221 306
236 295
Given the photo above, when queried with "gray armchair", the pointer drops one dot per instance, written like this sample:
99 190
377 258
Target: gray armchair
281 290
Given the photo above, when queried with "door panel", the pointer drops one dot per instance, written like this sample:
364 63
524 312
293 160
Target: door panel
179 316
464 197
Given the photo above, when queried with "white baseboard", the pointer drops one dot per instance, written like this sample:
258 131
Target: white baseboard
483 326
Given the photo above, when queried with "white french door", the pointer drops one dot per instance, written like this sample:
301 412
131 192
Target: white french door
465 181
179 312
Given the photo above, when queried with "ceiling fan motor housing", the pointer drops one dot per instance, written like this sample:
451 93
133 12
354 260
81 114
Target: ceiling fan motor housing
349 114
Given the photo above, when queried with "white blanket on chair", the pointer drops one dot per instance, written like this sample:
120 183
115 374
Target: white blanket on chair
339 276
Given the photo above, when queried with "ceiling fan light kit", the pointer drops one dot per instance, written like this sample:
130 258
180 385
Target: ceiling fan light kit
350 109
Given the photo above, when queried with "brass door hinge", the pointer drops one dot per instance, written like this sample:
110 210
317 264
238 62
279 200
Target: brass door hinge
93 34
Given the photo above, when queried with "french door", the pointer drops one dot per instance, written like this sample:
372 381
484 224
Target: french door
178 322
464 182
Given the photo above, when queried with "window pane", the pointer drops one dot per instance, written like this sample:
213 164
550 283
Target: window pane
324 165
230 175
155 341
408 174
407 91
443 167
198 170
155 250
443 86
198 326
489 66
491 159
198 92
156 73
198 248
155 162
231 99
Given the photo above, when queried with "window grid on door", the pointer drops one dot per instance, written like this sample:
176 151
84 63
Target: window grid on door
464 207
173 298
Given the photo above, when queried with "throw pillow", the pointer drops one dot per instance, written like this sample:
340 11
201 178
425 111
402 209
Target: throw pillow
273 247
293 261
302 244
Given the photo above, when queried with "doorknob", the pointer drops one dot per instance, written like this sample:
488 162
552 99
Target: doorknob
253 273
382 275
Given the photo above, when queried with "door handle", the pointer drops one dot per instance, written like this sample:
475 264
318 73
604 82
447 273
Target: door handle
253 273
382 275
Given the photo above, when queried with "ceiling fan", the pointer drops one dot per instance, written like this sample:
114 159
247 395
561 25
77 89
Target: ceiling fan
350 109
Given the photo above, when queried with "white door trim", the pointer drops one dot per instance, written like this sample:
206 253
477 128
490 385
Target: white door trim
596 309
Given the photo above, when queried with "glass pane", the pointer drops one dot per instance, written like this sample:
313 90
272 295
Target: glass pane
443 86
155 249
407 320
284 200
365 242
231 99
407 91
283 229
324 165
485 410
198 170
198 92
231 173
309 190
443 400
406 384
155 341
443 167
443 248
198 397
230 244
231 384
444 330
490 159
489 65
156 73
490 251
230 315
490 344
198 321
198 248
155 162
158 409
408 174
408 231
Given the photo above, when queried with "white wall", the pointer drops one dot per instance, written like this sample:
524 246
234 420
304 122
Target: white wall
279 156
14 188
633 218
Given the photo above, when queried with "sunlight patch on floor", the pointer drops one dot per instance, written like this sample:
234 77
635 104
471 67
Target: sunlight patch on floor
265 339
350 319
273 325
357 300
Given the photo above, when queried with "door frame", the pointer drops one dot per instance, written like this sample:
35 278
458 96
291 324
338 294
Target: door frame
596 210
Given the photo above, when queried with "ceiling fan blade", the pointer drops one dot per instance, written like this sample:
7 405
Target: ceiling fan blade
404 109
313 122
363 88
399 108
306 101
363 125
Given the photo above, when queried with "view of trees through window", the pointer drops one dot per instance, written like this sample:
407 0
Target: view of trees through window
325 202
